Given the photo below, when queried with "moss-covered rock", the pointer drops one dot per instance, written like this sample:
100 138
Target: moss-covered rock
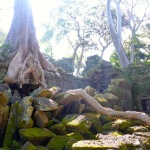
25 110
4 114
15 145
11 126
133 129
36 135
111 126
96 126
59 129
77 122
44 104
57 143
5 94
97 145
123 124
63 140
28 146
105 119
41 92
40 147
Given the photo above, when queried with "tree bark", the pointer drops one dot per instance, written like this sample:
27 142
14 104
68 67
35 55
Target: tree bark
116 38
108 111
28 62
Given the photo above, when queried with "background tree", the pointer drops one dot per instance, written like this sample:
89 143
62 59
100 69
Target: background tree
134 23
81 28
27 61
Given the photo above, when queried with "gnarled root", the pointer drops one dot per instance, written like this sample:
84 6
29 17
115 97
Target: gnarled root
110 112
28 71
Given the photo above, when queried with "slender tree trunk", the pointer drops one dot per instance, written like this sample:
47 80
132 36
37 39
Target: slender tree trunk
28 62
116 37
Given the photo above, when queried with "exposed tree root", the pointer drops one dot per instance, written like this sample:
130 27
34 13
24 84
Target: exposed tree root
110 112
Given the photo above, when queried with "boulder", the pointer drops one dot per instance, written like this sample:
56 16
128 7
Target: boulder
65 98
133 129
28 146
59 129
4 114
5 94
35 135
63 141
47 93
44 104
11 126
40 119
110 142
77 122
25 111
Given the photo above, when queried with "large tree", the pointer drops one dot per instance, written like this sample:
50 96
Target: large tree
27 63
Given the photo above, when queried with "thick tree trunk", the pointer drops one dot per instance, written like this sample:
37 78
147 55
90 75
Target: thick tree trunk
116 37
108 111
28 62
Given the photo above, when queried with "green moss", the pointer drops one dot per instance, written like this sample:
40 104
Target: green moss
15 145
111 126
57 143
59 129
76 122
11 126
123 124
63 140
36 135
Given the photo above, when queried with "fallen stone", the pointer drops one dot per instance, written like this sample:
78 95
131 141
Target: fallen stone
35 135
110 142
5 94
44 104
4 114
40 119
28 146
60 142
76 122
133 129
11 126
25 111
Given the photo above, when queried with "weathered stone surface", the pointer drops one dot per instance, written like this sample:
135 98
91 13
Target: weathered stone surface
40 119
76 122
110 142
97 145
28 146
41 92
65 98
44 104
4 114
35 135
11 126
130 141
5 94
25 110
